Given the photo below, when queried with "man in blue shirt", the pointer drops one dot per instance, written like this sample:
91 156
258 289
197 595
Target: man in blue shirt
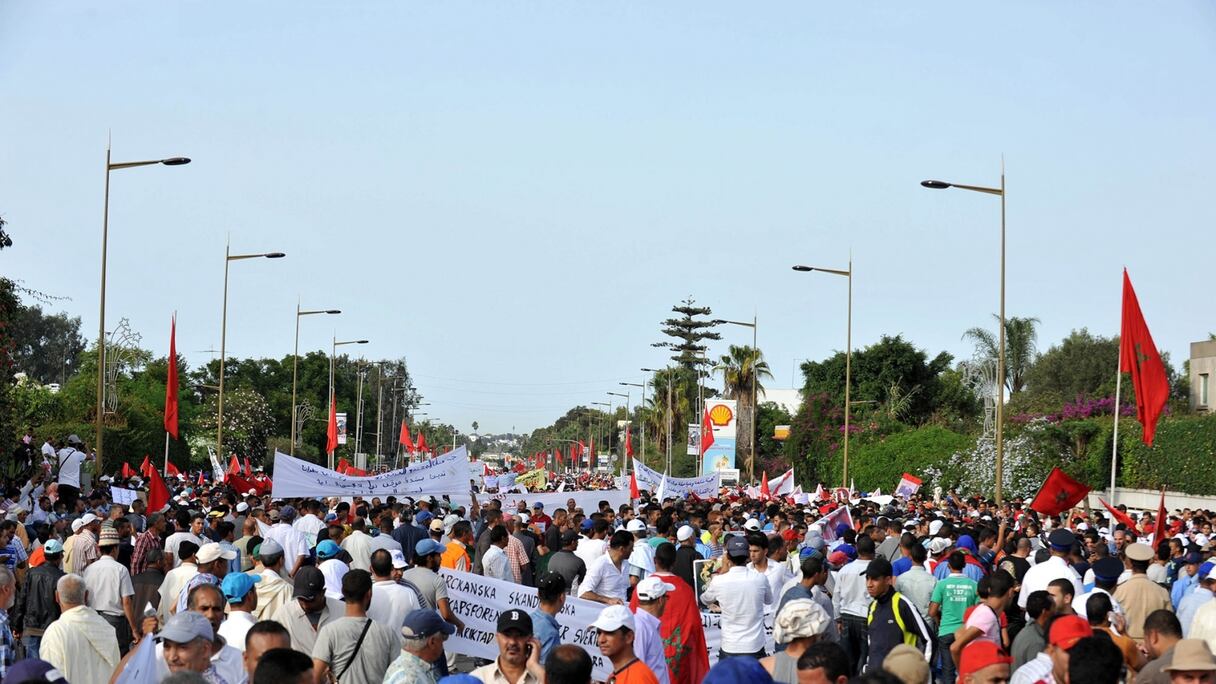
551 590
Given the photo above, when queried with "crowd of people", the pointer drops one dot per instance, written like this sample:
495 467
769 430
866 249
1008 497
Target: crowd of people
226 587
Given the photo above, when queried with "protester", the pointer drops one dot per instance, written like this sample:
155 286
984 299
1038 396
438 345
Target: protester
1051 666
1040 608
355 648
742 595
617 633
568 664
79 643
423 634
518 658
35 605
798 626
648 639
283 666
309 610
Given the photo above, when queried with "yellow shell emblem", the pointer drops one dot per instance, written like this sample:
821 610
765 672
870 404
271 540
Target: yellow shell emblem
721 415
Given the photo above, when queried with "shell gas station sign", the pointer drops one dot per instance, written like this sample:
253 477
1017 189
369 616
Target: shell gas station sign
721 455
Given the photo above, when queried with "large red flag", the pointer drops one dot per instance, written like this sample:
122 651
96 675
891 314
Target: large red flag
1138 356
158 493
1122 517
404 439
707 432
628 442
1058 493
171 383
331 435
683 637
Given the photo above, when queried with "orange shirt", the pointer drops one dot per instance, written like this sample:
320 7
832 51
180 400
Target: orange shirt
635 672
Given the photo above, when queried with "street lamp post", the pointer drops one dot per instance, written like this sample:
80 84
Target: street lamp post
848 358
624 456
1000 363
333 351
643 385
229 257
751 461
101 323
295 362
598 431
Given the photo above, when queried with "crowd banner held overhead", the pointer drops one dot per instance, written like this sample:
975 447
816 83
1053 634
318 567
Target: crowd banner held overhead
908 486
443 475
720 452
122 496
1058 493
533 479
827 524
783 485
705 486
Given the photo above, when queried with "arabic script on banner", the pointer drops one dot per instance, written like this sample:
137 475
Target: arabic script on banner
443 475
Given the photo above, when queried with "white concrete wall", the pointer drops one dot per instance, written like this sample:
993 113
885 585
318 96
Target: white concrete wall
1148 499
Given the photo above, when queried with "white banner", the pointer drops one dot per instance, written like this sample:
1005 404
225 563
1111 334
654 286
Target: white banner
122 496
705 486
446 474
478 600
784 485
588 500
216 469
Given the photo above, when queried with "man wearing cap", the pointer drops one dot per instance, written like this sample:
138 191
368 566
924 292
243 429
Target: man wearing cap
81 548
110 591
354 648
1055 567
742 595
518 660
309 610
1188 577
798 624
80 644
422 637
1139 595
983 662
295 546
212 561
36 607
686 553
242 597
1192 602
274 592
1051 666
1192 663
1106 577
648 642
616 629
551 596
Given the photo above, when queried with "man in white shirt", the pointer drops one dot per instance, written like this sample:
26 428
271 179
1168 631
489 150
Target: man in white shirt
607 579
742 595
391 601
309 524
71 458
359 545
110 590
242 597
1056 567
851 601
592 544
188 528
494 562
775 573
176 579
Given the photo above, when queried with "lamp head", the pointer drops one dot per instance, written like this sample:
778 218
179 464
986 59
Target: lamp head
175 161
935 184
360 341
333 311
804 269
275 255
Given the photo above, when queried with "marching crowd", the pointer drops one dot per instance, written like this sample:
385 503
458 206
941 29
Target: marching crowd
227 587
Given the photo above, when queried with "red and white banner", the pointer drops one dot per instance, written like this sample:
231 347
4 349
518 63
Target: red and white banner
783 485
829 522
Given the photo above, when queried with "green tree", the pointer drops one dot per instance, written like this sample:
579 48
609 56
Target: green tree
248 423
1082 364
815 434
770 451
740 367
1020 351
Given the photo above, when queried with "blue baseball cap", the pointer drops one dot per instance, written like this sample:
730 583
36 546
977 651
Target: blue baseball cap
422 623
423 517
1204 569
236 585
587 524
426 547
53 546
735 670
328 549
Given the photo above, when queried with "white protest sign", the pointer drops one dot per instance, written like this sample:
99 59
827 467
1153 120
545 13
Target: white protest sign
783 485
122 496
442 475
705 486
478 600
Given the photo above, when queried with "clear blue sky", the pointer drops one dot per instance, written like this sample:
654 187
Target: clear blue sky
512 195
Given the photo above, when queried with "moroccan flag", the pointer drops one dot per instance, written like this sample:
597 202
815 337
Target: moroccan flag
146 466
629 443
404 439
343 465
248 468
1159 530
1058 493
421 445
707 432
171 469
1122 517
764 491
557 457
126 471
234 466
158 493
331 435
683 636
1138 356
171 383
633 486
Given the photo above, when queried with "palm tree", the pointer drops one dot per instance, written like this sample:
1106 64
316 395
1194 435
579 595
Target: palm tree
1020 351
737 367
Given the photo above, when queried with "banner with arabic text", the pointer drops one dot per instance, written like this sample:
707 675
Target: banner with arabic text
447 474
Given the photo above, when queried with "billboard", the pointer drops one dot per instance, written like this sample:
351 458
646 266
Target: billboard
721 454
341 419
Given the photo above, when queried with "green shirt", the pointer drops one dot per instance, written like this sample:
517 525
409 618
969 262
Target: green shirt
955 595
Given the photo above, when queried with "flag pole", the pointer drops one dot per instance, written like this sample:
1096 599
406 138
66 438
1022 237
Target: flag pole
1114 447
166 450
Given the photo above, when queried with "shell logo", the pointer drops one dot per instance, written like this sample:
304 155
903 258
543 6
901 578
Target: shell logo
721 415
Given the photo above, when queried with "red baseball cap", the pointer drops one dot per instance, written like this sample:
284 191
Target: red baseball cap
1066 631
789 534
980 654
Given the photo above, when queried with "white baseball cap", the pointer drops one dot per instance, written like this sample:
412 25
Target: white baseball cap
684 533
242 507
635 525
935 526
398 558
211 552
752 525
653 588
613 618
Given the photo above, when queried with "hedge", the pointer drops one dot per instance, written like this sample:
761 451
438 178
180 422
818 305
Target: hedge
880 464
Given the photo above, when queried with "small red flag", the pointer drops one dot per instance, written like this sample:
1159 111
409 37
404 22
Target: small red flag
171 469
707 432
248 468
764 491
126 471
1159 531
421 446
171 383
200 478
628 443
404 439
557 457
1138 356
146 466
1058 493
343 465
158 493
331 435
1122 517
234 466
633 486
